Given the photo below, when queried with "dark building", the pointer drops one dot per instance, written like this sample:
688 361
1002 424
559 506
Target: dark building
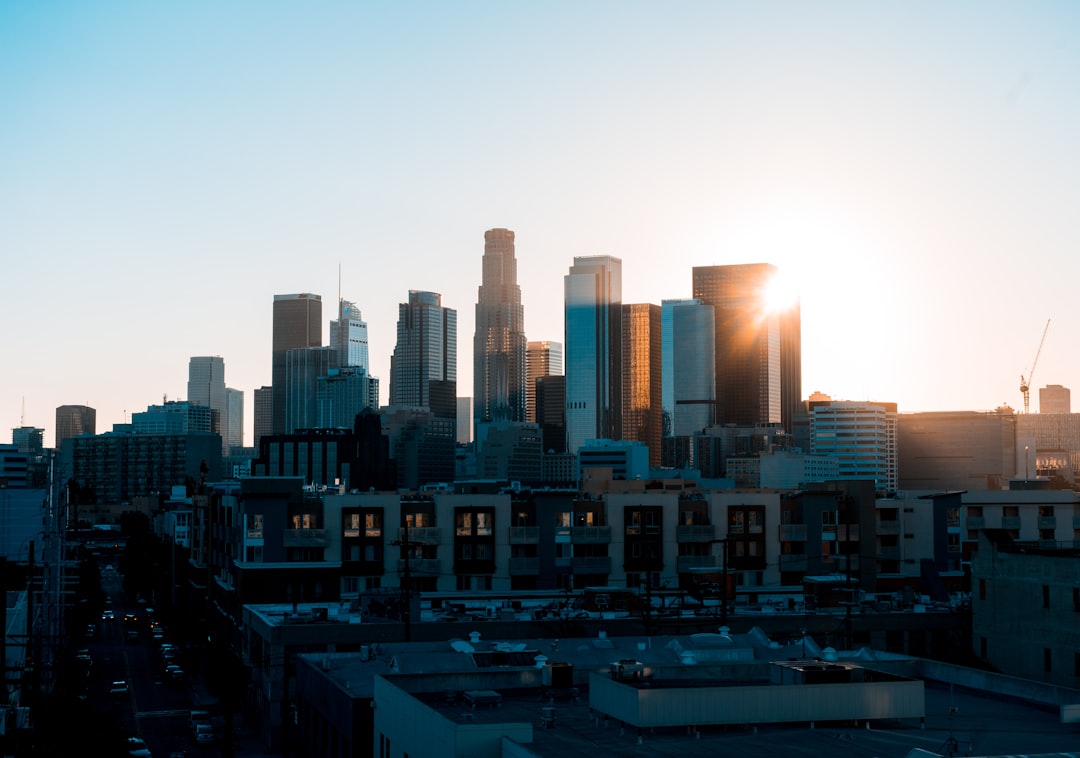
499 367
74 421
758 351
551 412
297 323
356 458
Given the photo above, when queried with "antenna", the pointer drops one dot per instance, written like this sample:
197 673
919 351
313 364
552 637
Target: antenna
22 418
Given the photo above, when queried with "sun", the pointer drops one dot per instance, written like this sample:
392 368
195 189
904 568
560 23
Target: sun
779 294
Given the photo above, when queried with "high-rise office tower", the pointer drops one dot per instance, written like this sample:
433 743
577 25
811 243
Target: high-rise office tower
758 350
499 343
1053 398
234 413
304 368
689 365
206 386
73 421
592 296
297 323
349 336
342 394
423 368
542 358
642 409
263 415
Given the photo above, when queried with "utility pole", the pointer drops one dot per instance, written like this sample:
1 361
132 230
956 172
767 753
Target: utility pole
406 600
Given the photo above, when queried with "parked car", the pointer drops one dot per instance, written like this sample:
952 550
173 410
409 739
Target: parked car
137 748
118 690
204 734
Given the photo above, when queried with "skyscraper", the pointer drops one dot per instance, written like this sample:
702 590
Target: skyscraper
862 435
542 358
234 412
689 366
1053 398
349 336
206 387
73 421
642 409
593 331
499 374
758 350
263 416
304 368
423 368
297 323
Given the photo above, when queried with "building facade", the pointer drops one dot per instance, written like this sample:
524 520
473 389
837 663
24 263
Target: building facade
423 368
304 368
593 325
957 450
74 420
263 418
862 436
499 366
234 413
297 324
542 358
642 386
758 351
349 336
1053 398
206 386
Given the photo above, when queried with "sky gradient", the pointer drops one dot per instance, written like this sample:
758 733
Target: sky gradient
165 169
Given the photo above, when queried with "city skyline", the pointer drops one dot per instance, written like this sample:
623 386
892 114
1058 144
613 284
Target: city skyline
908 167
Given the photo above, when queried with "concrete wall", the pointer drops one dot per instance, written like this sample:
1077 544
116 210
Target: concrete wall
416 729
756 704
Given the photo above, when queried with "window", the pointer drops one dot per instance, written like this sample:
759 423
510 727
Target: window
953 517
1076 599
1047 661
982 592
483 524
352 525
464 520
373 525
255 526
1046 597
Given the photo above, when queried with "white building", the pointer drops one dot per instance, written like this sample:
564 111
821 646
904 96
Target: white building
861 436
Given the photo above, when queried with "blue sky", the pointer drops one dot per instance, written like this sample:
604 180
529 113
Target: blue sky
165 169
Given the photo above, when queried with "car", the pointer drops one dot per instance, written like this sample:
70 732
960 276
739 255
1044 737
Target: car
174 672
136 748
198 717
118 690
204 734
107 614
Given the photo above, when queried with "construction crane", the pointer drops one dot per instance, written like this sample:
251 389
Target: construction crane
1025 384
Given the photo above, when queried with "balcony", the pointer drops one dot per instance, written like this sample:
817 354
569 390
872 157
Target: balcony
421 566
306 538
891 526
524 566
590 535
976 522
524 535
695 533
793 532
892 553
1010 522
1047 522
686 562
596 564
420 535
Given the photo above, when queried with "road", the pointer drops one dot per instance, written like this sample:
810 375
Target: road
155 708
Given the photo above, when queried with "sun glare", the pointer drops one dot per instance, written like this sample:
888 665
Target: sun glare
780 294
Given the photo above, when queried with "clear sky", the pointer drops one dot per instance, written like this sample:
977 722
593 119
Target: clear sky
166 168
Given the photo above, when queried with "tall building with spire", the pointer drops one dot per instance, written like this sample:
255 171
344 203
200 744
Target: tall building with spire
423 368
499 368
592 297
349 336
297 324
758 349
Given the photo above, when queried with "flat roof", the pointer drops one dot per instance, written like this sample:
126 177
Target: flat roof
980 723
